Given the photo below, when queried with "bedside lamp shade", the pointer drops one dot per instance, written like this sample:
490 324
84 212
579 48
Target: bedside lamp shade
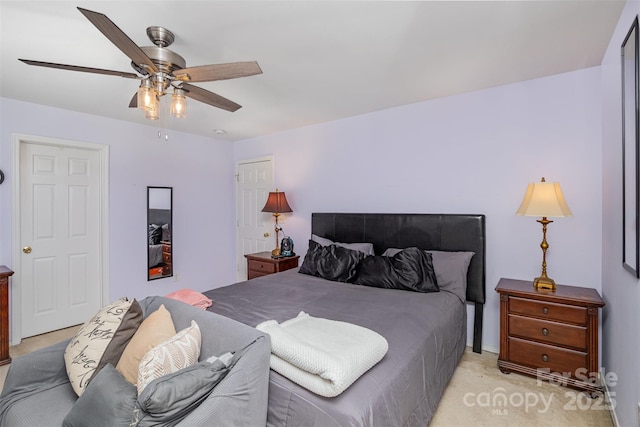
544 199
276 204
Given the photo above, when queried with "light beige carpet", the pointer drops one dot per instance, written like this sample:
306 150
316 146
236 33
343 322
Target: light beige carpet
478 395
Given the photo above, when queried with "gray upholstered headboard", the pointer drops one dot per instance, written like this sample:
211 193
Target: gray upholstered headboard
447 232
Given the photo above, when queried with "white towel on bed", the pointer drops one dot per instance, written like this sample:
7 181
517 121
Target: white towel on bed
324 356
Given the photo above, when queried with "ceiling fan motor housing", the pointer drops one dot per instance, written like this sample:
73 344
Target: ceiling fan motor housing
160 36
166 60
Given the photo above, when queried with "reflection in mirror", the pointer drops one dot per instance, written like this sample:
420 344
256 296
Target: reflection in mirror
160 232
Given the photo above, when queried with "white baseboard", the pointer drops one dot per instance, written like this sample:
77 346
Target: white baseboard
608 398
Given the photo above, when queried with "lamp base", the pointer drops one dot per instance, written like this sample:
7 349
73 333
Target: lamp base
544 282
275 253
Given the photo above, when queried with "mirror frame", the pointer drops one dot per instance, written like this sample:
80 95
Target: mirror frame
165 247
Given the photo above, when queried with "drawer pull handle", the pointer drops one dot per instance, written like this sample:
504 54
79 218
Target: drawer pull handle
545 310
545 331
545 358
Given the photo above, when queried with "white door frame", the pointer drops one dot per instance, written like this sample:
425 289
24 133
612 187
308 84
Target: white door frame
239 257
16 294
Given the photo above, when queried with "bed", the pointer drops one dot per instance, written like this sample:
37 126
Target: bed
426 332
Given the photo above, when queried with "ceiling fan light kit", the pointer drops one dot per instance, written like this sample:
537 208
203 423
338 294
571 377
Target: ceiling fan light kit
178 103
158 68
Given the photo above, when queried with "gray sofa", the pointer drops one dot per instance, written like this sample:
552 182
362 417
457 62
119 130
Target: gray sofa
37 391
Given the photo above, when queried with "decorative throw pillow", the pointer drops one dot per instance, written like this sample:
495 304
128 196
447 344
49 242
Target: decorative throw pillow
410 269
178 352
108 401
331 262
156 328
101 340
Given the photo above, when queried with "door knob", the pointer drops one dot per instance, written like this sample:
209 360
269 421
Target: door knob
266 234
26 249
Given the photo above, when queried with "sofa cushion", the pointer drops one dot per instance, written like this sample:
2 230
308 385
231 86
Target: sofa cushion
108 401
101 340
178 352
156 328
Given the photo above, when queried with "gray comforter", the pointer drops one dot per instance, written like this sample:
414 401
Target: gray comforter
426 335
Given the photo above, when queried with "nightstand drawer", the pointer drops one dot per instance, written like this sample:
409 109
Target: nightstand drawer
542 356
262 267
548 310
550 332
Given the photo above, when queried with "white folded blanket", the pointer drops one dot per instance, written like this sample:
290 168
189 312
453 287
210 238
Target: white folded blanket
324 356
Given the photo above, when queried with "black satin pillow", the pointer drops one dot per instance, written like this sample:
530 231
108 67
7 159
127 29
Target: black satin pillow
410 269
331 262
155 234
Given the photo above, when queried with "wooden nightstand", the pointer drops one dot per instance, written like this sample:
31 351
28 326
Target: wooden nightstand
552 335
261 264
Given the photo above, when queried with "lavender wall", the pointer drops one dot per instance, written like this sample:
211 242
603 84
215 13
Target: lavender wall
199 169
621 290
472 153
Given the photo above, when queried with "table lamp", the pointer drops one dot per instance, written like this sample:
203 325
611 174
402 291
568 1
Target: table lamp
277 204
544 199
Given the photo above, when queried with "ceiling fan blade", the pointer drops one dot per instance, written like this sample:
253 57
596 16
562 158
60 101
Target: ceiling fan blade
209 73
210 98
134 101
119 38
79 68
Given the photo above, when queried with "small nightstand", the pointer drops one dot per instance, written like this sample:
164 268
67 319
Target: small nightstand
261 264
552 335
167 268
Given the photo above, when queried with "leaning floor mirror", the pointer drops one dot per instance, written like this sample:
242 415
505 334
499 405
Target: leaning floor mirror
160 232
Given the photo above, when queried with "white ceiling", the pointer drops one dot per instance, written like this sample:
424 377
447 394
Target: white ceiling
321 60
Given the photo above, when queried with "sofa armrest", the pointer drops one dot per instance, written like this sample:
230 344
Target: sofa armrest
44 366
33 373
241 398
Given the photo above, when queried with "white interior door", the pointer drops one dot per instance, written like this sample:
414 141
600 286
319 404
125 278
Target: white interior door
60 236
254 228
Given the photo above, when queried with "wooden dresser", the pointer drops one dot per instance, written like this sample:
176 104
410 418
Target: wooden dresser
261 264
5 273
552 335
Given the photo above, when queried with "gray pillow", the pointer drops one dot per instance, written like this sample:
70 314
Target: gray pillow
108 401
367 248
169 399
451 270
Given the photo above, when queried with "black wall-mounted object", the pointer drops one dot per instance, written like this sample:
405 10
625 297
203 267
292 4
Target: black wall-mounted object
1 177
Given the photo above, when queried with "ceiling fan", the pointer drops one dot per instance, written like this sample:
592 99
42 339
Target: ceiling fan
159 68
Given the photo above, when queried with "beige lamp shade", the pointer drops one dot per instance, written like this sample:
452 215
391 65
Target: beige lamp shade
544 199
